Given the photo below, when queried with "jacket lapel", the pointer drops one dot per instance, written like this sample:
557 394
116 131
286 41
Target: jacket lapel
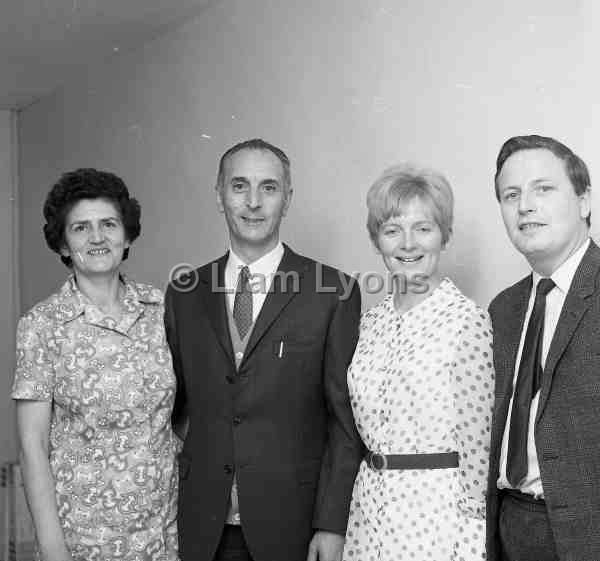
215 303
507 334
514 328
576 304
283 289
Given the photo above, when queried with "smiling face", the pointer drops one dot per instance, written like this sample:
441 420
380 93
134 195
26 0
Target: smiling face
545 219
94 238
410 243
254 199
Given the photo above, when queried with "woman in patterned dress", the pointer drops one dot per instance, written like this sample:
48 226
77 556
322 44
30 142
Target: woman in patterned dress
95 387
421 388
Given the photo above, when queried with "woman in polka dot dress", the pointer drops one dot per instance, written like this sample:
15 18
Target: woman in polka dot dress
421 388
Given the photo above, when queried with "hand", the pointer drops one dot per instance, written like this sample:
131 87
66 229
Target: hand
325 546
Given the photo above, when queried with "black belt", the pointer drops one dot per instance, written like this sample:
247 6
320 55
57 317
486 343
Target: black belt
412 461
524 497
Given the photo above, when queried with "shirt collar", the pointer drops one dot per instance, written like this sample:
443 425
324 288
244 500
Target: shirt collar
563 276
263 267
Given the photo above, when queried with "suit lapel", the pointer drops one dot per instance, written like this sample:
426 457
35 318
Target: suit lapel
507 334
215 303
512 329
281 292
576 304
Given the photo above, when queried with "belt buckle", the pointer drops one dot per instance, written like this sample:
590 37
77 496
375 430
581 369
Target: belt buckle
377 462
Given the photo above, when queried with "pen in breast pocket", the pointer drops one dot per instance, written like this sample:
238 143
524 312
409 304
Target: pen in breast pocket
280 354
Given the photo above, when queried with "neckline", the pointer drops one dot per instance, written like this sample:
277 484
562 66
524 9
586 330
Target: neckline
445 283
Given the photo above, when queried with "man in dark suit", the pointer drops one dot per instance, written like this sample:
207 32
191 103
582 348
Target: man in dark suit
544 484
261 339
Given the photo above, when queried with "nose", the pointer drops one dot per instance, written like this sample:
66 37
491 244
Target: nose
527 202
253 199
408 240
96 234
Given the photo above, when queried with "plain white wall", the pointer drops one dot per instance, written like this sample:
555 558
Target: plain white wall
347 88
8 294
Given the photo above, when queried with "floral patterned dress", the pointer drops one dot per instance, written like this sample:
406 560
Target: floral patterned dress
422 382
112 450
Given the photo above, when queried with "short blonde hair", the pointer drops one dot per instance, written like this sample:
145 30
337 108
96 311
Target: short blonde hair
401 184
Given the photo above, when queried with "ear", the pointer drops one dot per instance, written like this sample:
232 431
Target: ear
445 244
219 195
585 204
288 200
64 251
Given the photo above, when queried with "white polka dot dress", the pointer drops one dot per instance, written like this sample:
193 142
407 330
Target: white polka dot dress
421 382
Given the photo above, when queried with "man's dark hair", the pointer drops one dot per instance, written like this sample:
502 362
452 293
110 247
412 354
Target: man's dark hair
87 183
577 171
256 144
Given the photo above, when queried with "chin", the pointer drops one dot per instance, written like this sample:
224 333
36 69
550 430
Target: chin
101 270
531 246
251 235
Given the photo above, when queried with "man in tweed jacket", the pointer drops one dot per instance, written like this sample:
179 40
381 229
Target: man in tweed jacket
553 511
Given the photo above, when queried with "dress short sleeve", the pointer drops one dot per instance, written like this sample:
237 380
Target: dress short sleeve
34 374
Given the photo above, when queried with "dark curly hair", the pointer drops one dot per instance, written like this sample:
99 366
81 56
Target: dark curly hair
87 183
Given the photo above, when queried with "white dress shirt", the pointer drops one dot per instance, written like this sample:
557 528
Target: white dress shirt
261 276
562 277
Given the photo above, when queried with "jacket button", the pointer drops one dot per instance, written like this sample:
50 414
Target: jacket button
228 469
237 421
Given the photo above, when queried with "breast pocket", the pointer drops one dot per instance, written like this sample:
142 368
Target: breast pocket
283 348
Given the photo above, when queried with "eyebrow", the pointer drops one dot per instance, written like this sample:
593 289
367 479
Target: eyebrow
246 180
104 219
391 222
535 182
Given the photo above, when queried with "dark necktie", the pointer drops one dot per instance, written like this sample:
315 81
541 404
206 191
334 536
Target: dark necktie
242 305
528 382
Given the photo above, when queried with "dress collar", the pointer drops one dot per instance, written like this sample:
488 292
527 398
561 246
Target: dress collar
446 289
72 303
